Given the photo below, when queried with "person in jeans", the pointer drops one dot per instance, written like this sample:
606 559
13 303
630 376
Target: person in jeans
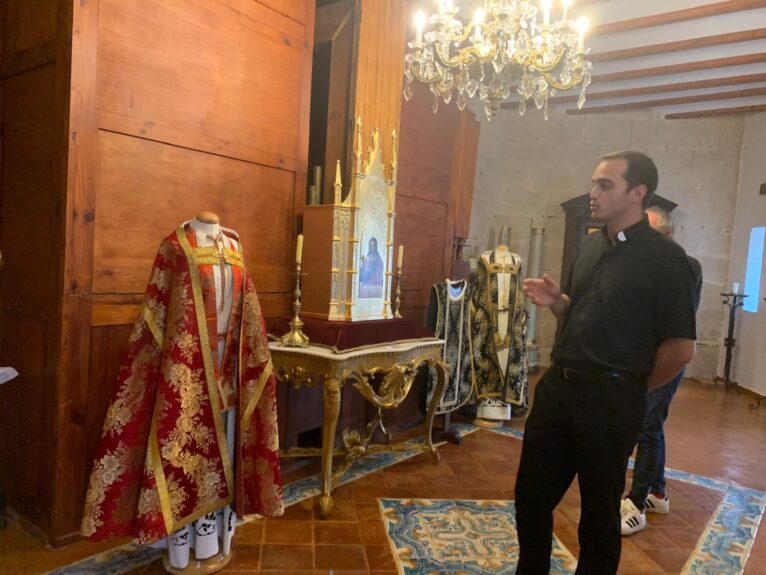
627 314
647 492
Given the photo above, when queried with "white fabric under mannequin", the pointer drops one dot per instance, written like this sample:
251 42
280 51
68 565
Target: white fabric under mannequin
492 408
203 535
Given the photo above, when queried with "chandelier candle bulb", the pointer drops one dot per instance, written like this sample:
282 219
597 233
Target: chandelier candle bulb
566 7
299 249
420 22
582 27
546 4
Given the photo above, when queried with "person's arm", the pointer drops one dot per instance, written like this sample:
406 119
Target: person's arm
671 357
546 292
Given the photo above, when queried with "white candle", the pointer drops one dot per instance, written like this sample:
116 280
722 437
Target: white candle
400 257
299 249
582 27
420 21
546 12
566 7
735 287
478 18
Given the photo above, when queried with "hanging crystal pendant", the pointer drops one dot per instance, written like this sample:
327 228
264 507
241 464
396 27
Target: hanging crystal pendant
407 92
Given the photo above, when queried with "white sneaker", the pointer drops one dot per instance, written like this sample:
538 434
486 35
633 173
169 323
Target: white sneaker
656 504
631 519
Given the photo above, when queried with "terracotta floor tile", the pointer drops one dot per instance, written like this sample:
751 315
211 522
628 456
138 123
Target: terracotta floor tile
287 557
342 511
336 533
379 557
633 562
368 511
437 481
302 511
670 560
394 480
250 533
298 532
245 557
653 538
684 537
338 557
373 533
369 494
694 517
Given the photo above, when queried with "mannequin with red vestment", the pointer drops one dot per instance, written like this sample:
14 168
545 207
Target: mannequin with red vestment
192 425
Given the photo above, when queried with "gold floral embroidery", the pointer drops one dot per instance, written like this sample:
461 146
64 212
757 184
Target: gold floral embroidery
177 495
186 343
106 471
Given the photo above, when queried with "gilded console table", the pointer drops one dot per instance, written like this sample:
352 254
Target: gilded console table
383 374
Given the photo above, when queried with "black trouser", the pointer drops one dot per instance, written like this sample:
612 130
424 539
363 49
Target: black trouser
582 428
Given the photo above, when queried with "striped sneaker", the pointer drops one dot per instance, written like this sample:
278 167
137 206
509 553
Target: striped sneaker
631 519
657 504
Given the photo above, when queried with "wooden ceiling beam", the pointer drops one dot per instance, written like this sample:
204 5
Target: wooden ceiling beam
755 58
660 102
704 11
660 89
679 45
717 112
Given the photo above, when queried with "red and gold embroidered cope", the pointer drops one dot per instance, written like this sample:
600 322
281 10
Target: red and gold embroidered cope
162 459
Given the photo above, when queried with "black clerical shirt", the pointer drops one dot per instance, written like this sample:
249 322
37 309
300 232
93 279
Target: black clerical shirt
628 295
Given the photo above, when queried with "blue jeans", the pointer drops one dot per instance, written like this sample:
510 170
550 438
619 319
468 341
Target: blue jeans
649 469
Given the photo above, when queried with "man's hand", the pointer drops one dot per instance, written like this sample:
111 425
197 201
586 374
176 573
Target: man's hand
546 292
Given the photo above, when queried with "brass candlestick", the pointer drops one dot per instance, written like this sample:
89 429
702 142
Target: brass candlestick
398 301
295 337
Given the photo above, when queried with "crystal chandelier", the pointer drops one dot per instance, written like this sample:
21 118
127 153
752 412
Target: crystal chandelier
505 48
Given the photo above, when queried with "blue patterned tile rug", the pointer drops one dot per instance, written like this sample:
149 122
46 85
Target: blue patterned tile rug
441 536
484 529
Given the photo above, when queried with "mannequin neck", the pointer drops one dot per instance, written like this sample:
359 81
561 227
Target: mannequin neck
205 228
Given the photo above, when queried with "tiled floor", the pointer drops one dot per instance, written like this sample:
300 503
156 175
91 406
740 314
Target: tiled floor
710 433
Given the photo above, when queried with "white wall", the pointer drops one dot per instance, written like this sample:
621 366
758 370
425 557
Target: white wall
527 168
749 358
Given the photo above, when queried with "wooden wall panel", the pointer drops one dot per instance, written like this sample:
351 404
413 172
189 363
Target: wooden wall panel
29 233
29 209
421 226
29 25
380 68
293 9
27 417
426 149
221 77
465 153
146 189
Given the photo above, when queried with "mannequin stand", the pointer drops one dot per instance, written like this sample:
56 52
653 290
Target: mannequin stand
199 566
734 301
487 423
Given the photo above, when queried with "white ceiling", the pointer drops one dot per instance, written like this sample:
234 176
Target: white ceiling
677 42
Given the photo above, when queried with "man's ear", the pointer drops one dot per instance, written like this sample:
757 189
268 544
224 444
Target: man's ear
639 193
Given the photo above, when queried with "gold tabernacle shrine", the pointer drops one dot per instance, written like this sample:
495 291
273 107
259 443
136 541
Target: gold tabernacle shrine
348 246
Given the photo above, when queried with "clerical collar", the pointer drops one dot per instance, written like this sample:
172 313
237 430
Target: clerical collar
637 230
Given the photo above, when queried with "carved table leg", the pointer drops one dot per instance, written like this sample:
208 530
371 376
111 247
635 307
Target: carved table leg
431 415
330 423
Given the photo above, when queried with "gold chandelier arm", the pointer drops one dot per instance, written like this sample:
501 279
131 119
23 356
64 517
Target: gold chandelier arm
545 68
553 82
423 79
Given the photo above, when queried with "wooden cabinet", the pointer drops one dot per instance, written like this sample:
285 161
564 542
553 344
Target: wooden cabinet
121 120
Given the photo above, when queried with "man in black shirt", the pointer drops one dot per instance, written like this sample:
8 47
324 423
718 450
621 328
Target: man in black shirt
647 491
627 316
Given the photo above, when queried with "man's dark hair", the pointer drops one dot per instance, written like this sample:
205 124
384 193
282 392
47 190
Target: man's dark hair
640 170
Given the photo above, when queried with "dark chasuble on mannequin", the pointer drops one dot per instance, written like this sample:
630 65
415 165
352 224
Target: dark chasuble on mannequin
449 318
499 333
192 425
